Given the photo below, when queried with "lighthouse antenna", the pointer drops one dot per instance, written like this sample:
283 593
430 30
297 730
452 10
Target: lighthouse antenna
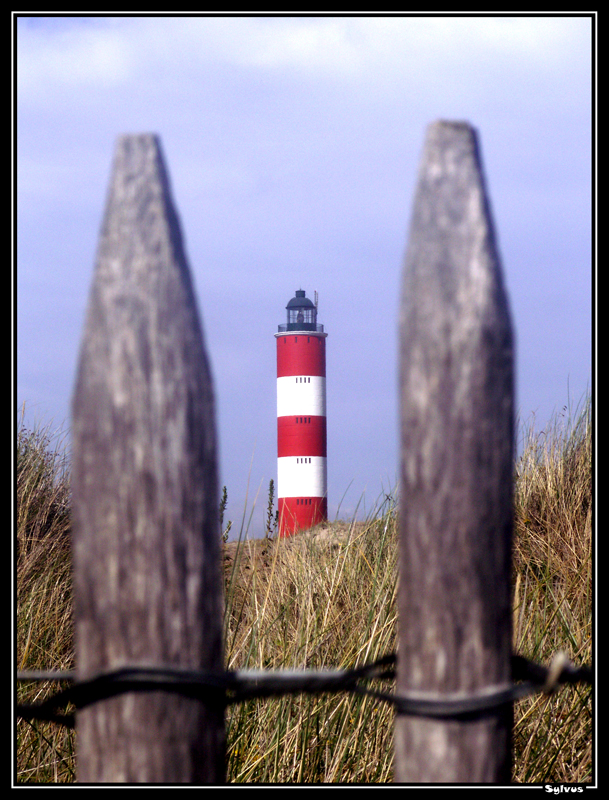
316 298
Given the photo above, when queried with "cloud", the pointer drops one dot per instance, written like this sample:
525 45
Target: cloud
72 58
106 51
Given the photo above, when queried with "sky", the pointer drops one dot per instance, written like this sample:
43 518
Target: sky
292 145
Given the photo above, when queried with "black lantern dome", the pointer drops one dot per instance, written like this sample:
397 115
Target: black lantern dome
302 314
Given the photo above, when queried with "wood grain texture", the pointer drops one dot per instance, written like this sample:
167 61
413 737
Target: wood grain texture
456 397
145 494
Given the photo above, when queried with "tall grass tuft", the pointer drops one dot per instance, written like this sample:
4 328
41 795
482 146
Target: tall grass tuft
552 606
44 638
322 599
326 598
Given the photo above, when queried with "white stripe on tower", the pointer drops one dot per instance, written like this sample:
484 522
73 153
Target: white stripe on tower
302 476
295 397
301 418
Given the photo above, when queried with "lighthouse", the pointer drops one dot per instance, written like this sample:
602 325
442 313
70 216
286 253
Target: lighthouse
302 477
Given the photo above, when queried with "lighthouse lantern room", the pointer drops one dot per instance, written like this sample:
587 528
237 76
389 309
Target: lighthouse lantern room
301 418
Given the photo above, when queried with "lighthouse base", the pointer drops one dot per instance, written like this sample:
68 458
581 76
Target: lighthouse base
299 513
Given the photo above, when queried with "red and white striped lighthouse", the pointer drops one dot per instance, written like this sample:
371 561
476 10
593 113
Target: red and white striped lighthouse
302 477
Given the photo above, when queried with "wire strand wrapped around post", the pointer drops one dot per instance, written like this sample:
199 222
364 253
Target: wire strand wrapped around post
241 685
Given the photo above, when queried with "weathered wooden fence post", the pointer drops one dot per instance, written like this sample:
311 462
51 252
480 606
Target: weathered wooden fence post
145 499
456 391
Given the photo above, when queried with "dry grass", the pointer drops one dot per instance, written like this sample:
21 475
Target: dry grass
44 597
323 599
553 598
326 598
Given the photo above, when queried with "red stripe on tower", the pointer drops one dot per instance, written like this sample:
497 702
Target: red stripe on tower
302 481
